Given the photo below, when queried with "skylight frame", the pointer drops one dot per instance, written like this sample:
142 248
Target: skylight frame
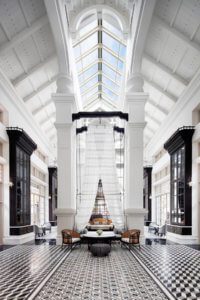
113 71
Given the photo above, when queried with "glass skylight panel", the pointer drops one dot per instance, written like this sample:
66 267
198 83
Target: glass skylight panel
87 28
111 43
110 73
112 60
90 58
109 93
112 29
122 51
88 73
89 42
100 55
110 83
89 84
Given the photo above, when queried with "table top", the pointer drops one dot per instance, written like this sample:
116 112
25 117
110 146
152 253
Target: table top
105 234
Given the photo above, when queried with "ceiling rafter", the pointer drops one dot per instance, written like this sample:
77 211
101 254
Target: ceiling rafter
45 105
160 89
48 118
177 33
33 70
40 89
24 34
165 69
152 118
158 106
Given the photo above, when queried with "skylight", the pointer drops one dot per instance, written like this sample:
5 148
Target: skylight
100 54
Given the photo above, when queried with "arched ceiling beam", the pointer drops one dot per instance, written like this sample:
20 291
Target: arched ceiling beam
40 89
24 34
157 87
165 69
33 70
143 12
176 33
56 15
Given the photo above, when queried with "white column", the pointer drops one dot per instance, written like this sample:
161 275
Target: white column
135 102
66 159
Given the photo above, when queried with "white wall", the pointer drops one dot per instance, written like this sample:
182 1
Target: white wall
181 115
18 115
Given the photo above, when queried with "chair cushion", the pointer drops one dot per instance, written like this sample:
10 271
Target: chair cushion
75 240
125 240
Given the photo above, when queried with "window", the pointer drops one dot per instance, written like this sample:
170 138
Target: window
177 187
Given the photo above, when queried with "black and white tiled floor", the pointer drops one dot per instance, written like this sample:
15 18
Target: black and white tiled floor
22 268
115 277
176 266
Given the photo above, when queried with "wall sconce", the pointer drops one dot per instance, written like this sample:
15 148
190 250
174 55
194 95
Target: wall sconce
10 184
190 183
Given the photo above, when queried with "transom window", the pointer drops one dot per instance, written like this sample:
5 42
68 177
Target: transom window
100 57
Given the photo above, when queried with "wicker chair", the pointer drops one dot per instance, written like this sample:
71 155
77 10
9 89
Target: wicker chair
70 238
131 238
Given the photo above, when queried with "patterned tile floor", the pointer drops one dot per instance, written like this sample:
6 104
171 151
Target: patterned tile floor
115 277
22 268
176 266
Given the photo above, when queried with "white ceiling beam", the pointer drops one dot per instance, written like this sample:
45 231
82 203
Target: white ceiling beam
142 15
165 69
40 89
33 70
48 118
176 33
19 37
50 129
157 106
161 90
41 107
152 118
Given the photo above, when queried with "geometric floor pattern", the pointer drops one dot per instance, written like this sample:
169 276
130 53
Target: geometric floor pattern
117 276
176 266
22 268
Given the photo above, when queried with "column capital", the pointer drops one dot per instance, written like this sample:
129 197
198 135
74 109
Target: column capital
135 83
64 84
65 106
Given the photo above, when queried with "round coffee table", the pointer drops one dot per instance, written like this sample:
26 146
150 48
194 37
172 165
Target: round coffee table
93 238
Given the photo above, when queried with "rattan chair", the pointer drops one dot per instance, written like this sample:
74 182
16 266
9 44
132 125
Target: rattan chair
70 238
131 238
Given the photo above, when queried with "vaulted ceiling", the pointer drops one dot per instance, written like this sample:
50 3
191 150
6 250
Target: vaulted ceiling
170 60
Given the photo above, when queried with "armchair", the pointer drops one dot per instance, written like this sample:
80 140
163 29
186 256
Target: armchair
70 238
131 238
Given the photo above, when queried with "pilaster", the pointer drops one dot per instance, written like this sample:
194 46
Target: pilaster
135 103
66 160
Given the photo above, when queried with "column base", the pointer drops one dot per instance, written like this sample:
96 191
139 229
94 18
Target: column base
65 220
18 239
135 219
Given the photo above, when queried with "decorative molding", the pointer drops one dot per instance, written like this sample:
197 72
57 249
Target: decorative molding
135 211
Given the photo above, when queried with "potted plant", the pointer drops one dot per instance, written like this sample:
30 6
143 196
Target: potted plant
99 231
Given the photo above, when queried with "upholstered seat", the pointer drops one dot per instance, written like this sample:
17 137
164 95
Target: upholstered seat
70 238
